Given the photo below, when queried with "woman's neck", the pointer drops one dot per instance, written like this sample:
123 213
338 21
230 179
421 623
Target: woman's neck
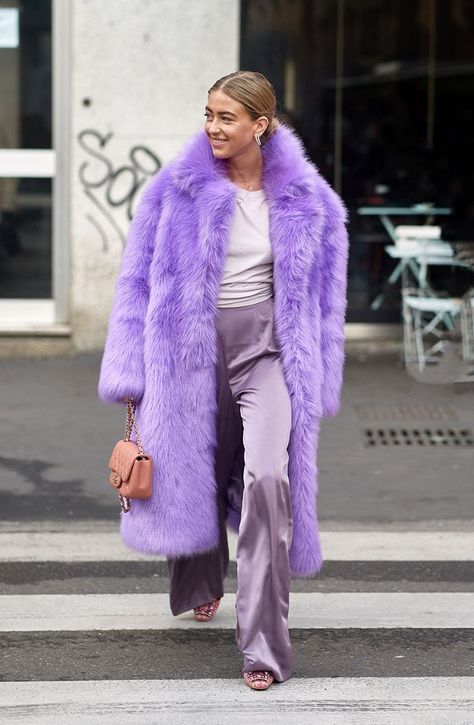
246 171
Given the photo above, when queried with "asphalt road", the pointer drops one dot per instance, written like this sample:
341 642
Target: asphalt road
392 605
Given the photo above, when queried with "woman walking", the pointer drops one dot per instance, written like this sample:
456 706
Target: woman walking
227 329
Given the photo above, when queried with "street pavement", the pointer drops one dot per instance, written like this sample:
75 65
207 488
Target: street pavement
383 635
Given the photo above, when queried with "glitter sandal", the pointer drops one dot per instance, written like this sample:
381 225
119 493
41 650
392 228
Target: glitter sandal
259 679
205 612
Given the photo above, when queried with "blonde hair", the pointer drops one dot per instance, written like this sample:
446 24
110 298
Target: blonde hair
255 93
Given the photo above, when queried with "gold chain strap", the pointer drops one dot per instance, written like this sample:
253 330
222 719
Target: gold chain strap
124 503
131 423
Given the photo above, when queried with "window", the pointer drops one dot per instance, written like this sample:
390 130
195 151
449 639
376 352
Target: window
381 93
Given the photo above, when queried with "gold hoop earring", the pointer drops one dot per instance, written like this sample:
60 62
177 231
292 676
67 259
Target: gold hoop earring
257 139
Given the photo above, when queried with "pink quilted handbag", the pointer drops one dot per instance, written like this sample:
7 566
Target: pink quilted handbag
130 467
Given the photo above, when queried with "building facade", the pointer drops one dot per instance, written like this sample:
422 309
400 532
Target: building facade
96 96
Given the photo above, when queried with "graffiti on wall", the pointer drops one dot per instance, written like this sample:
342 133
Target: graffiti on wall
109 186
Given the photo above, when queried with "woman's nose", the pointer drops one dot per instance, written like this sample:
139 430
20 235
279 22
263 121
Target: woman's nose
214 127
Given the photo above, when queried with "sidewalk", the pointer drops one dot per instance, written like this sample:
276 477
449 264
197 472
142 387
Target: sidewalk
55 438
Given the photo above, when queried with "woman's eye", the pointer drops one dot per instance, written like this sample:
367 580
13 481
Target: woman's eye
209 118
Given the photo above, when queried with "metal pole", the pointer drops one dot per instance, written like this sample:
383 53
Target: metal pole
339 98
430 110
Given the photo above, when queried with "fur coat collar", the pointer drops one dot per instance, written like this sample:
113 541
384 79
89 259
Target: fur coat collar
161 344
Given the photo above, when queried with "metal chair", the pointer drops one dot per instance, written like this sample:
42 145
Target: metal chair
429 318
423 316
415 242
467 325
409 242
416 234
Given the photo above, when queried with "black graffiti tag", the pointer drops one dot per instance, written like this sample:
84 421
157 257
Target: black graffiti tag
107 186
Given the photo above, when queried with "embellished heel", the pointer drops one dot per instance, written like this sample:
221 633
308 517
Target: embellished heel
259 679
205 612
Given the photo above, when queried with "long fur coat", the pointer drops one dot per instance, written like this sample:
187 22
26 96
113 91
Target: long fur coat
161 341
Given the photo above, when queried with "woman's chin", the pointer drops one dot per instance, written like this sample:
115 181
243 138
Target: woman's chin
219 153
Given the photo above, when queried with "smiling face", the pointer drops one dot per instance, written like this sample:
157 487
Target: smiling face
229 127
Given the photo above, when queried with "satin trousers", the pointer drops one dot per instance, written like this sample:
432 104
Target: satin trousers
254 423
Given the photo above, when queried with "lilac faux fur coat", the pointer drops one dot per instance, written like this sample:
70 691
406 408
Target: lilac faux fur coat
161 342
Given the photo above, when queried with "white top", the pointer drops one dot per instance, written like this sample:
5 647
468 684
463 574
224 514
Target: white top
248 271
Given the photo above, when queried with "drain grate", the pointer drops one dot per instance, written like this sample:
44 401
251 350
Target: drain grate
404 411
419 437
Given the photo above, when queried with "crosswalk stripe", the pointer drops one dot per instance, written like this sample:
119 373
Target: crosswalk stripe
336 701
61 612
329 701
337 546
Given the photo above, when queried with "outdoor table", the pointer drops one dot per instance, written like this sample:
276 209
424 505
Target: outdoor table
384 213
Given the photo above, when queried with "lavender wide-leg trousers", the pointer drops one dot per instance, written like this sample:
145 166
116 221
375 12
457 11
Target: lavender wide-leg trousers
254 422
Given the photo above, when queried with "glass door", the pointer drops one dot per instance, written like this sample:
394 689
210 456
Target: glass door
27 165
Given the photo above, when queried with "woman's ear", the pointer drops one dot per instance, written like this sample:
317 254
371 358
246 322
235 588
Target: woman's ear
263 124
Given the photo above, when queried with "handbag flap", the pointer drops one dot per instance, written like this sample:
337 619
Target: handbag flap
123 457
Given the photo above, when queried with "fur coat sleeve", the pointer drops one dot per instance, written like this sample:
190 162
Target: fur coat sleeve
333 301
122 369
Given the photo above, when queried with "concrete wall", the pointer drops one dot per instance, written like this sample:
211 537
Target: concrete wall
140 74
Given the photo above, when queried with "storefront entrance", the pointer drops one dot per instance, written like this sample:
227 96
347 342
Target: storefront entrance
381 93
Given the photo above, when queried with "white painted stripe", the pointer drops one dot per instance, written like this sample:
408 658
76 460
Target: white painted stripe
398 545
41 612
337 546
74 546
327 701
